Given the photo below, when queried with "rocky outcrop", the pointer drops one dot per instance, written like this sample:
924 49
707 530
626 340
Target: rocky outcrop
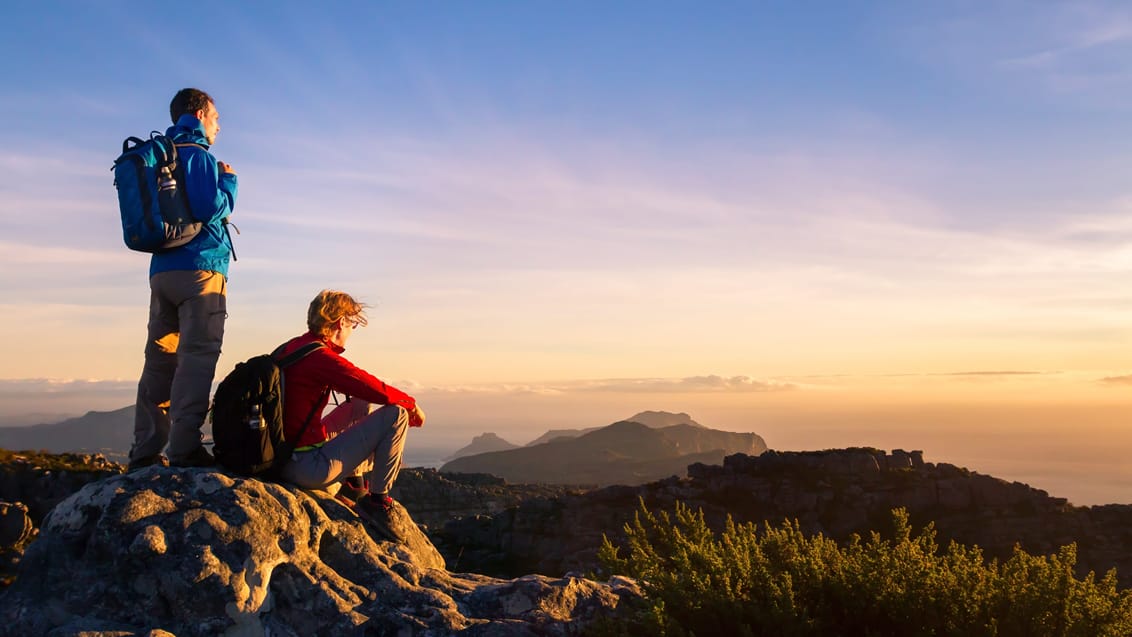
837 493
622 453
41 481
196 552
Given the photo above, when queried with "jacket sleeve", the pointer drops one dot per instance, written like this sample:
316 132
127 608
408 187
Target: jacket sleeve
343 376
212 195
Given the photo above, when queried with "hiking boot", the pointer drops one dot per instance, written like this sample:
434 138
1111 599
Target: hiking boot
148 461
377 510
353 489
198 458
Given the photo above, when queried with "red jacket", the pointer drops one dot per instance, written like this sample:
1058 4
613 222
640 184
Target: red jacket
305 382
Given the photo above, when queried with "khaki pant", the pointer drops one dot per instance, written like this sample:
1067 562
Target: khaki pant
187 310
376 442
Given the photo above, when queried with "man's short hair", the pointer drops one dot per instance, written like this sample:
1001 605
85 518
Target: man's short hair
188 101
328 307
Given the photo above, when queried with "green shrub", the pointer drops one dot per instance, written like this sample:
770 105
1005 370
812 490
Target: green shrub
752 580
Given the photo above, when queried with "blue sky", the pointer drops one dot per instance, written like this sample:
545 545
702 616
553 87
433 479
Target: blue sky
659 204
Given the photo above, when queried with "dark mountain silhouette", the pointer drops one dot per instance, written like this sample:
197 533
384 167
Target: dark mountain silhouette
654 419
107 432
29 419
660 419
484 443
622 453
836 492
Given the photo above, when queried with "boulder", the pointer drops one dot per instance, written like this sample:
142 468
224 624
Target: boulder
195 552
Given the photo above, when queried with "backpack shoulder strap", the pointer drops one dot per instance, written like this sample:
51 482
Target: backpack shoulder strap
295 356
287 361
310 416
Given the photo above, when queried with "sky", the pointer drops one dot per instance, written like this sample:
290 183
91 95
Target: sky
885 224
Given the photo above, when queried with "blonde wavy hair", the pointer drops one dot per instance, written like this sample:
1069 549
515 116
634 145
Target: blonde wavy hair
331 305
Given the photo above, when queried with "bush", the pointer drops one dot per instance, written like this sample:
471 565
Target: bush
755 580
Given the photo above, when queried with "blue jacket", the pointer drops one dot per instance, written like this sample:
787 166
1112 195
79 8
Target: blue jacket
212 196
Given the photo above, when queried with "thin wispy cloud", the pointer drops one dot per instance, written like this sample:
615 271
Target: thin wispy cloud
574 217
693 384
1117 380
1092 31
637 209
16 254
992 373
689 385
25 386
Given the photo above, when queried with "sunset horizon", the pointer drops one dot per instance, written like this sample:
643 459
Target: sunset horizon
875 225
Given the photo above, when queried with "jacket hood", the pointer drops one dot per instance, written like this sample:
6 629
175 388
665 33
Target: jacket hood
188 130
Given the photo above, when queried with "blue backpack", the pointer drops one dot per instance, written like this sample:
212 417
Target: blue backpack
155 208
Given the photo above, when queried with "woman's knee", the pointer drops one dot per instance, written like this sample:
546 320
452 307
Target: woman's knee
399 416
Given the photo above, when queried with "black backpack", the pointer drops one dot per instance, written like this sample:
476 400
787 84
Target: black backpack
247 415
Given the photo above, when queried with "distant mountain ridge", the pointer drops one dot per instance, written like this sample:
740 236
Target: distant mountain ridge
654 419
107 432
642 454
484 443
625 452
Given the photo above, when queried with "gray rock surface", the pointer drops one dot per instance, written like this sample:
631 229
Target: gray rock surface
195 552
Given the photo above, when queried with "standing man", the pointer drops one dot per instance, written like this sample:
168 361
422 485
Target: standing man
187 303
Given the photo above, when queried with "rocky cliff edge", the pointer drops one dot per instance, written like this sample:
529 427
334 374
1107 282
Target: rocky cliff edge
196 552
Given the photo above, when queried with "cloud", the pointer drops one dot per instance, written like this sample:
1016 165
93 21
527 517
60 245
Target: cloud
59 386
1095 32
1075 48
990 373
689 385
1117 380
33 400
14 254
693 384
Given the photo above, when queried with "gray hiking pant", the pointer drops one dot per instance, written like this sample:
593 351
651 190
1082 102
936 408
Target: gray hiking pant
378 438
187 309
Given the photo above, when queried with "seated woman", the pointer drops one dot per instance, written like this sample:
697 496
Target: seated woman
351 439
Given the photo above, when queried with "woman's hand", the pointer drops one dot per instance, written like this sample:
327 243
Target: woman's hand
416 416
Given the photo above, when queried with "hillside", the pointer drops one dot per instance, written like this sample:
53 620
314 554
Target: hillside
836 493
107 432
622 453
